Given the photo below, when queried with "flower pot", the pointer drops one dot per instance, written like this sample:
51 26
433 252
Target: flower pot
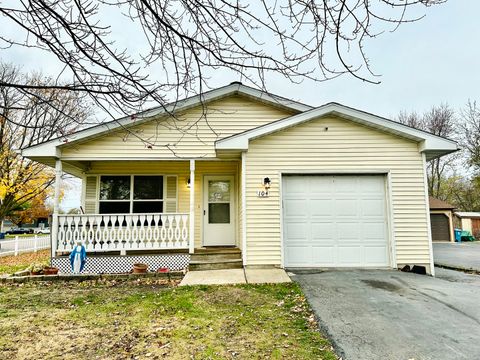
50 271
163 270
140 268
36 272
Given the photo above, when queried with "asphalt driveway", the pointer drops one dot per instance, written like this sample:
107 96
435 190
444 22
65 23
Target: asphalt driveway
464 255
382 314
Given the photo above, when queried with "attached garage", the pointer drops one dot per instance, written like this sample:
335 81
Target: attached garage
345 189
335 221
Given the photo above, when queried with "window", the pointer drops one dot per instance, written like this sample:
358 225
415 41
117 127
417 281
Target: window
131 194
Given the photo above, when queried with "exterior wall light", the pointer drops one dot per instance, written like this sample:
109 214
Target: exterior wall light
266 183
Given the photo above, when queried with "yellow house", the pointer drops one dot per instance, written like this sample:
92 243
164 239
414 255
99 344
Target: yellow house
254 178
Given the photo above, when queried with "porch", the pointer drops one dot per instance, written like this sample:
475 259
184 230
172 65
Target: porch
188 206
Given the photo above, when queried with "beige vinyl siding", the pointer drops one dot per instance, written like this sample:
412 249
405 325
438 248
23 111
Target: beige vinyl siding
178 170
192 134
343 147
90 195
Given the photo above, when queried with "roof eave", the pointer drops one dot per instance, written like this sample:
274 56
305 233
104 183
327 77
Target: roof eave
434 146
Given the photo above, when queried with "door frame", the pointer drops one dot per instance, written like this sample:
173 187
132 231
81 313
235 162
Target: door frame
233 212
388 204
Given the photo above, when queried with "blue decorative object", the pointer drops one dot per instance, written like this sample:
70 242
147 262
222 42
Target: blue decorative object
78 257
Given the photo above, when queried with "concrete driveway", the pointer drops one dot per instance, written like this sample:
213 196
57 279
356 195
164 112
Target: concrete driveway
387 314
465 255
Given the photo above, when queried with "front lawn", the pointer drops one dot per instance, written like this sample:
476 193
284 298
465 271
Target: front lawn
153 319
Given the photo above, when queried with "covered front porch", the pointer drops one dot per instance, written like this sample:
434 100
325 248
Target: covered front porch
162 209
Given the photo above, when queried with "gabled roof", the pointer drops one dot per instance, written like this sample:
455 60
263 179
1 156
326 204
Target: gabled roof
433 145
49 148
437 204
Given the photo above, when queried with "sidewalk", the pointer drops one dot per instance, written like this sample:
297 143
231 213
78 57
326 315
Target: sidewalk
235 276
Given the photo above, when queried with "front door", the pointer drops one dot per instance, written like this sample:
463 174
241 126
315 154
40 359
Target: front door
218 211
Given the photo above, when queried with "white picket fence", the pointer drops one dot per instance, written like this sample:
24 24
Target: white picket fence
24 244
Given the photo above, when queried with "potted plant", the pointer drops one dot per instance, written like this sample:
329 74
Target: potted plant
139 268
36 269
50 270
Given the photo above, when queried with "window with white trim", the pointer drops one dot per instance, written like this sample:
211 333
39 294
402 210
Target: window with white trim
120 194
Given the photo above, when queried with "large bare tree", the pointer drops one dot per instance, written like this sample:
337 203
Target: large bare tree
25 120
439 120
179 44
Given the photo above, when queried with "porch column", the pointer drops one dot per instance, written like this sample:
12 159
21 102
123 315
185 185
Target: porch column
191 246
56 205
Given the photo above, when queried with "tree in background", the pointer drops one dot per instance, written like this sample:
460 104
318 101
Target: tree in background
439 120
36 208
26 120
453 178
471 135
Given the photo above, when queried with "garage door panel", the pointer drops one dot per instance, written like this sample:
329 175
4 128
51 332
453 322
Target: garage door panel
348 230
345 184
324 255
335 220
319 185
298 207
372 207
349 256
346 207
370 184
374 230
295 185
375 255
322 231
297 231
298 256
320 207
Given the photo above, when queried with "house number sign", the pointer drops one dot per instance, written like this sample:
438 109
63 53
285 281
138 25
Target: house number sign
262 193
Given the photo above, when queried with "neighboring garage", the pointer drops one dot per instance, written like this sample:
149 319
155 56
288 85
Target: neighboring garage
335 221
441 220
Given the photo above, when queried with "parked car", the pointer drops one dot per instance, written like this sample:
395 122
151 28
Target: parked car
43 231
19 231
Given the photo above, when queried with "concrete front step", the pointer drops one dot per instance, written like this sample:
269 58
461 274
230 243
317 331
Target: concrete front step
215 265
218 250
214 257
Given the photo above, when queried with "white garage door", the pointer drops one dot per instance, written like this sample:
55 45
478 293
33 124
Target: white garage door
335 221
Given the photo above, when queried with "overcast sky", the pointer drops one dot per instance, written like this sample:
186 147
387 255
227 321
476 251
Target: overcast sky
422 64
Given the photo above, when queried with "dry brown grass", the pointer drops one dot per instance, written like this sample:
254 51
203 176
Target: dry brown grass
153 319
11 264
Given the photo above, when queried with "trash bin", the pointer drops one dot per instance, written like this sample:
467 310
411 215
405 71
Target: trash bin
458 235
2 235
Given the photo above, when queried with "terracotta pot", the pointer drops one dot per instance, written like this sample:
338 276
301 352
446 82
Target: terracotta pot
163 270
35 272
140 268
50 271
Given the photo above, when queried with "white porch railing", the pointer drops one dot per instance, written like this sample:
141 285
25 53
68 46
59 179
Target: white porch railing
114 232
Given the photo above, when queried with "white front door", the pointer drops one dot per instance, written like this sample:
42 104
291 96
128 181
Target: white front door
218 211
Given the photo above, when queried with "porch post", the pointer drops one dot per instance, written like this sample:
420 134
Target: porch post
244 208
191 246
56 205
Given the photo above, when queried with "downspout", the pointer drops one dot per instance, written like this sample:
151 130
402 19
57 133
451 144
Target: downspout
427 209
